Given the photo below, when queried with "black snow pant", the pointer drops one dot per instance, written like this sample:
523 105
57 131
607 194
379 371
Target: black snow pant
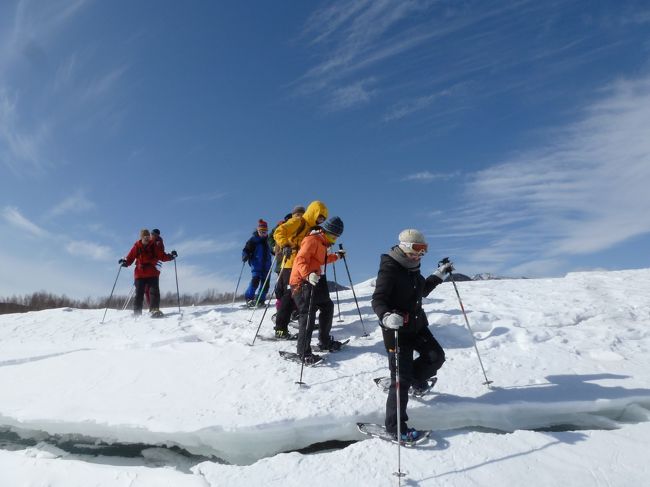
286 304
154 293
431 357
321 302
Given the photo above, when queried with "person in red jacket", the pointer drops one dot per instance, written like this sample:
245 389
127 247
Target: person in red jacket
310 291
158 241
146 254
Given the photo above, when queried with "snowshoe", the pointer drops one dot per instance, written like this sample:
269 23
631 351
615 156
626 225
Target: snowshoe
384 384
410 438
310 360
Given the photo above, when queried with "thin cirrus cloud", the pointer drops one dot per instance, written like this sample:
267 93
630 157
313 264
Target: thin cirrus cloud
15 218
585 192
91 250
204 246
351 34
21 147
76 203
427 177
78 248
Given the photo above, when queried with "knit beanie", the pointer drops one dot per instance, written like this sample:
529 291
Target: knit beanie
262 225
410 236
156 232
298 209
144 233
333 226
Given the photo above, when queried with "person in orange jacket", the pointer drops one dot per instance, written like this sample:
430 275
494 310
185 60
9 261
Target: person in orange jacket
288 237
146 254
310 291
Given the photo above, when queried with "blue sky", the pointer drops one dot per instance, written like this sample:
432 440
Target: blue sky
514 134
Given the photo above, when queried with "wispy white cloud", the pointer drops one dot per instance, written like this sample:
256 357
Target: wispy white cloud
103 84
92 250
75 203
205 246
584 192
193 279
351 95
386 40
20 148
408 107
15 218
428 176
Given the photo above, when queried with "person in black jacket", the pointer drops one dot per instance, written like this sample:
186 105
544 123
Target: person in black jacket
397 301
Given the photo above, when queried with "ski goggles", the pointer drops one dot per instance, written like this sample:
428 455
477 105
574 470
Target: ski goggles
414 248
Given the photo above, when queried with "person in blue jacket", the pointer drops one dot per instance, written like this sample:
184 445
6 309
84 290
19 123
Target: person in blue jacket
258 255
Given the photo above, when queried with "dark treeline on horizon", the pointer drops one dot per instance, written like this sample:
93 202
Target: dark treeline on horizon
41 300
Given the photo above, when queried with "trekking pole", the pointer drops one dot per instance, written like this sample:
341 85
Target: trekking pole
234 296
267 304
257 301
487 382
336 288
128 299
178 294
399 474
109 298
345 261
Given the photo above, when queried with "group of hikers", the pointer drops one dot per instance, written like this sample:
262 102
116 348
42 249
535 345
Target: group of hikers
300 246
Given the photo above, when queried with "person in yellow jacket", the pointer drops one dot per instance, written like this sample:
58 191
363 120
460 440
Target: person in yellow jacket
288 237
309 289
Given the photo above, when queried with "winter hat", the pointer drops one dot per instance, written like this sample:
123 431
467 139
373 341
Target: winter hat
298 209
144 233
156 232
261 225
333 226
412 241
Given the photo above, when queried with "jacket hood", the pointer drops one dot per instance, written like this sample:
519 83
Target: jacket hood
314 209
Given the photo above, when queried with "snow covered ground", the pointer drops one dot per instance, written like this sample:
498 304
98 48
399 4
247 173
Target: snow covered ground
187 401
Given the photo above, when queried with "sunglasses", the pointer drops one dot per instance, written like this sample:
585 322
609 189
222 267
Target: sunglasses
417 248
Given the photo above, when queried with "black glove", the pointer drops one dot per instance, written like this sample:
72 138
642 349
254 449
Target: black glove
123 263
287 251
244 258
174 254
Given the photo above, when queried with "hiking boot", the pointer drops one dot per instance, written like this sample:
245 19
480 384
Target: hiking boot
332 346
410 435
250 303
420 388
283 335
156 313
